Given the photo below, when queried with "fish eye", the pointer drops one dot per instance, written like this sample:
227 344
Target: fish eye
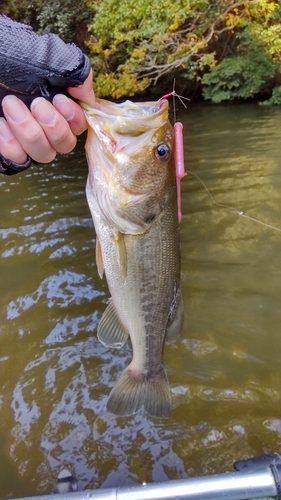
162 152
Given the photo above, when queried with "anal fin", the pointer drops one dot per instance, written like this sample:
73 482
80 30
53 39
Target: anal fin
111 331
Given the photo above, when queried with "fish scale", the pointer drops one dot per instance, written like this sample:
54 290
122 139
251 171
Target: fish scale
138 246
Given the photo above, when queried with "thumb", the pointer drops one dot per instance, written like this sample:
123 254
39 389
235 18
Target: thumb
84 92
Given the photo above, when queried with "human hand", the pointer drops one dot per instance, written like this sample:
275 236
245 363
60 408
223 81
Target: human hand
47 128
36 119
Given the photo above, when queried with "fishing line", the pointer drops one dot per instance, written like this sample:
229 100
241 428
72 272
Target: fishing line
174 101
174 95
229 207
178 146
179 160
180 172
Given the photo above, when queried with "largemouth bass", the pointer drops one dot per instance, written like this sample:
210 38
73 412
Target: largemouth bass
131 192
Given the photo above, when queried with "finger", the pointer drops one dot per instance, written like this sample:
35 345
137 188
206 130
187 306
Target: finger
10 148
84 92
72 112
54 125
27 130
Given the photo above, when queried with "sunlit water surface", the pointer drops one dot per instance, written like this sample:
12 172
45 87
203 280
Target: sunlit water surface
224 371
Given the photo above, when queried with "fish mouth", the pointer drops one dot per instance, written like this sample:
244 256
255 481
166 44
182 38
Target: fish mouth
123 128
122 123
127 109
116 142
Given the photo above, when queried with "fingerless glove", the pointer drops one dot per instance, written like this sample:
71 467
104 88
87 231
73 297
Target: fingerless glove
32 66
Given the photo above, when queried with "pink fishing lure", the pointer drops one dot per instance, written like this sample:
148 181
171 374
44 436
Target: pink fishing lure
178 155
179 162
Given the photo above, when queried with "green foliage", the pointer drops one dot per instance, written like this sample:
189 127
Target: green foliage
125 34
126 84
255 67
19 11
67 20
231 48
117 22
228 49
275 99
238 77
62 18
150 41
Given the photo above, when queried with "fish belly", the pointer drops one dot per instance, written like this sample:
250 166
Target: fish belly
144 282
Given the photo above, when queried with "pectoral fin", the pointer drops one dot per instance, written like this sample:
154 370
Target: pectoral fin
176 319
111 331
99 259
121 252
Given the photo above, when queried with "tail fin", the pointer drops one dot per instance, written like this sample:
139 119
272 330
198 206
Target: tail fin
130 393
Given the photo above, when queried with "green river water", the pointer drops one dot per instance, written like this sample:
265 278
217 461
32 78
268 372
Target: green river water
224 371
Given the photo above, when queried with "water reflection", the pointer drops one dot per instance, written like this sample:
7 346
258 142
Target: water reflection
224 370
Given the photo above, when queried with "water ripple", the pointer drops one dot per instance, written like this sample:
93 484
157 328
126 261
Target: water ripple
63 289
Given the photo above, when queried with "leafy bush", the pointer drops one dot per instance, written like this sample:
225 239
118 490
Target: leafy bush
229 48
275 99
64 18
238 77
254 68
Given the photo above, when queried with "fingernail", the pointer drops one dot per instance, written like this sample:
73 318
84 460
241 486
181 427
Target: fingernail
64 106
14 109
43 111
5 131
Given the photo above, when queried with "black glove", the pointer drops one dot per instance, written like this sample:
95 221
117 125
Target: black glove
33 66
9 167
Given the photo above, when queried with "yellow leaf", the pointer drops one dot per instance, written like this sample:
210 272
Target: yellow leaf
173 27
138 54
